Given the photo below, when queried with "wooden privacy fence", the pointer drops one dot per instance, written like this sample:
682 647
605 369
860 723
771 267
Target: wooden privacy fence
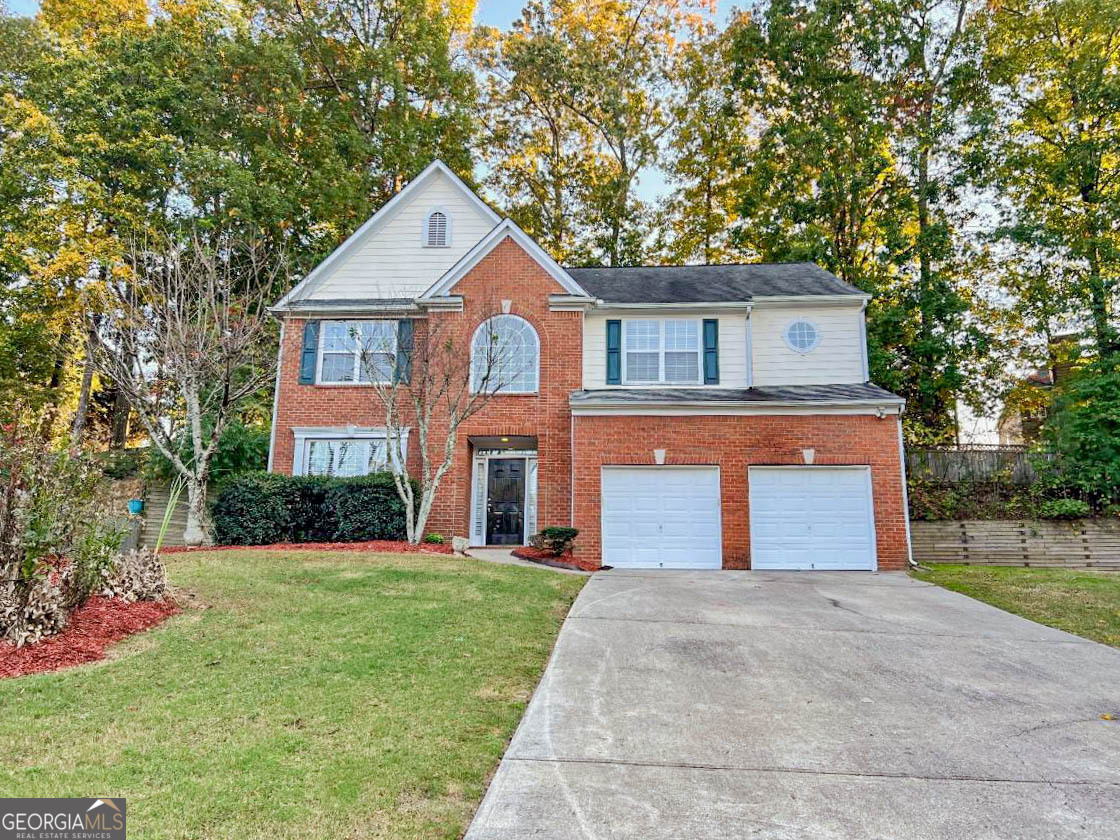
1076 544
1009 464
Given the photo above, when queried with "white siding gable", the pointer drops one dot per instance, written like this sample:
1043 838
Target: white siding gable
391 261
837 359
732 343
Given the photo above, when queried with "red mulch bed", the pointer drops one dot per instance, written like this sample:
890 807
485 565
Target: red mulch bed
95 625
541 555
369 545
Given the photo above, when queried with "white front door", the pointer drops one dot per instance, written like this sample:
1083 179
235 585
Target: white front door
661 517
811 518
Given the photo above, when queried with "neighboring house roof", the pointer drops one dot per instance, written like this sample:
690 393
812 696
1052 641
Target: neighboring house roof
507 228
861 392
710 283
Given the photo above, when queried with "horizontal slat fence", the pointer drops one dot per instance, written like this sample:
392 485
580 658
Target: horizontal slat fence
1076 544
156 500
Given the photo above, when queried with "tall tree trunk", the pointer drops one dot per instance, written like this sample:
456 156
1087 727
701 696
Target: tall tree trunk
196 532
122 409
46 425
81 413
1100 309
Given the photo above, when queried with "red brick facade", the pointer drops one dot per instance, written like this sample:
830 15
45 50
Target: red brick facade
507 273
733 442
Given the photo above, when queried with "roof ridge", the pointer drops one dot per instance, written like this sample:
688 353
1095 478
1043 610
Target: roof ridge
690 265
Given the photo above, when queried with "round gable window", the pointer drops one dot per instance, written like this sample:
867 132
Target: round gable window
803 336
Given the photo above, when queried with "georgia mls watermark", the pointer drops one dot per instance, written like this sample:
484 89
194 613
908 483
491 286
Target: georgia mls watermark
62 819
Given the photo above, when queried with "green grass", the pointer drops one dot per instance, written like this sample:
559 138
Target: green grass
1084 603
310 695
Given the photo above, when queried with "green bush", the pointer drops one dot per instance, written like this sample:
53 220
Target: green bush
1066 509
555 538
1084 430
312 519
366 508
241 449
434 539
264 508
122 463
253 509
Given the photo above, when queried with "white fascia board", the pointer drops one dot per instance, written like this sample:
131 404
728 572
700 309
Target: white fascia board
693 409
762 301
387 210
405 306
450 303
570 303
507 227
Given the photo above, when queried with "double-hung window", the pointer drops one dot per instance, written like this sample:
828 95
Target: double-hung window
357 351
661 352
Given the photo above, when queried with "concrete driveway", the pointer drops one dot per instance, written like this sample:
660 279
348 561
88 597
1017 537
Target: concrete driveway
809 705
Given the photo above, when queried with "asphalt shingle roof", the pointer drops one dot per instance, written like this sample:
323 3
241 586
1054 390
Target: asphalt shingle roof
864 391
708 283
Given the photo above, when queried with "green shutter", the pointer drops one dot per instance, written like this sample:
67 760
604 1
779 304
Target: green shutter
711 351
403 370
614 352
310 353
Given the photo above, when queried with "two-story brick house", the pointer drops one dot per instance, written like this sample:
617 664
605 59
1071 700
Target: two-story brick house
682 416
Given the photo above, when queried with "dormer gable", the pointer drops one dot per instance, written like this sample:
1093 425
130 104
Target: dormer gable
406 246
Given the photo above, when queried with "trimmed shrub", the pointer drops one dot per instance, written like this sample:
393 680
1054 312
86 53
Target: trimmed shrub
264 508
556 539
434 539
253 509
366 508
310 517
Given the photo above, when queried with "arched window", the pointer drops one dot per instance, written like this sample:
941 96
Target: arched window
505 356
437 229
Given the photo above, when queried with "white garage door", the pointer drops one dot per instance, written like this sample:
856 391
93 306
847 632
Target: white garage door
811 518
661 517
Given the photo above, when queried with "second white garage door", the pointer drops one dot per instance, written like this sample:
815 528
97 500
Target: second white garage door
811 518
661 517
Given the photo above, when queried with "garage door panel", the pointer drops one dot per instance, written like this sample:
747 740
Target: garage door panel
811 518
661 517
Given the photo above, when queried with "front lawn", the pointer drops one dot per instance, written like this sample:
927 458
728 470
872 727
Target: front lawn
310 695
1085 603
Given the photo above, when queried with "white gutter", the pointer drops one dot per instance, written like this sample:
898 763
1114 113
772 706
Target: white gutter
276 397
905 497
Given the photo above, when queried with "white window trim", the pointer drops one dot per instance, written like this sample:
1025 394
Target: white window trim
661 380
424 229
353 383
794 347
508 391
303 434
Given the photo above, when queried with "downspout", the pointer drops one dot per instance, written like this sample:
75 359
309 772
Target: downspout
905 496
276 394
